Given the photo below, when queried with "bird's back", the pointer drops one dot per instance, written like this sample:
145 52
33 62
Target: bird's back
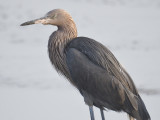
101 79
103 57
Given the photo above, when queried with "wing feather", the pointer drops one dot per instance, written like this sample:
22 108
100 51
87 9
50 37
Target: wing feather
102 56
103 89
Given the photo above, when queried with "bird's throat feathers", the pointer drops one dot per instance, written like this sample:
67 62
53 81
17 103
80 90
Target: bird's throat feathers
56 46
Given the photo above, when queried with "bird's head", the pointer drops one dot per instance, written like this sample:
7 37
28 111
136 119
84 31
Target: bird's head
57 17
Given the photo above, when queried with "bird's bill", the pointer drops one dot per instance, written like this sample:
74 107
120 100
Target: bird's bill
43 20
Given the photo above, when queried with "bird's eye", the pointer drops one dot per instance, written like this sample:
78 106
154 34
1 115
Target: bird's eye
54 16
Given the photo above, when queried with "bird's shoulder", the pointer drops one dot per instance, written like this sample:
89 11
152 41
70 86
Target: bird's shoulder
80 42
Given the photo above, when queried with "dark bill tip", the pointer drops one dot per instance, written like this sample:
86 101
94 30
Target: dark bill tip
28 23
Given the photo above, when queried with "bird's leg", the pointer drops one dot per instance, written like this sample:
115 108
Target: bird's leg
102 114
91 112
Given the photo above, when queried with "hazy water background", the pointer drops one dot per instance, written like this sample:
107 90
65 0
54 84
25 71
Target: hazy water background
30 89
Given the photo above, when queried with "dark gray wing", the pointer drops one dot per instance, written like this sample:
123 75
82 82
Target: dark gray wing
100 55
103 89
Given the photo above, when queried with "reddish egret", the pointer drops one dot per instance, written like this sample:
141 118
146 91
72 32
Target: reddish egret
91 68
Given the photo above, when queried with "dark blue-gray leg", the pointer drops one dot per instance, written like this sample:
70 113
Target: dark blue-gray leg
91 112
102 114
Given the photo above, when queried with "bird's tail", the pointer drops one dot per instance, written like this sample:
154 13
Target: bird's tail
142 113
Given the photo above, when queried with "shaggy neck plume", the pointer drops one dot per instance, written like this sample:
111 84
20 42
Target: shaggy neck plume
57 43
